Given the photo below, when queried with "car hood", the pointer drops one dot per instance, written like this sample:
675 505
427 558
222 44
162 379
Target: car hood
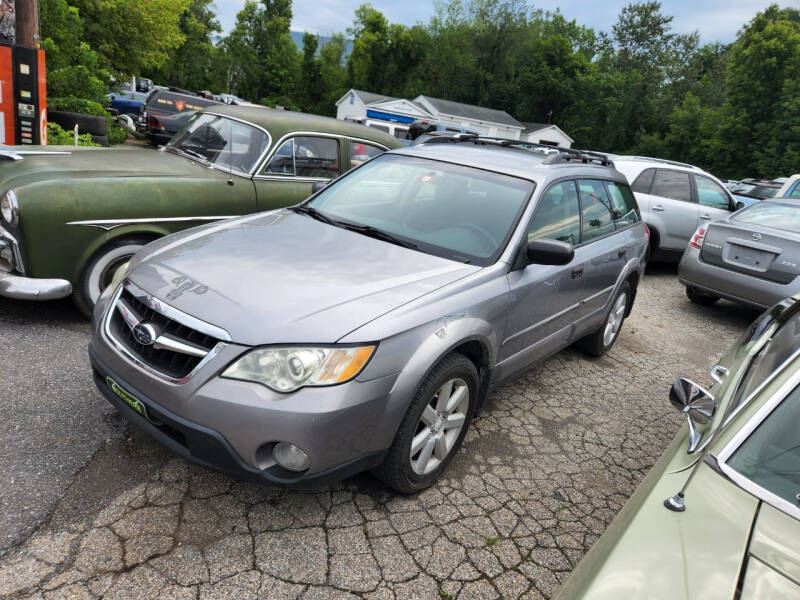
90 162
282 277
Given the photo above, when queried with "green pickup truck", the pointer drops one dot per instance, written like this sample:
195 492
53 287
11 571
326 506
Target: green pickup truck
69 217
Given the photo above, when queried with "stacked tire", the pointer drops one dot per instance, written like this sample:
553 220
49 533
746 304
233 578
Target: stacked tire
91 124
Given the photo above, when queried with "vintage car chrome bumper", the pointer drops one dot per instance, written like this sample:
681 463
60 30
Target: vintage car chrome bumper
29 288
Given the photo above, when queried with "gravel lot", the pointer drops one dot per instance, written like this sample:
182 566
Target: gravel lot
89 508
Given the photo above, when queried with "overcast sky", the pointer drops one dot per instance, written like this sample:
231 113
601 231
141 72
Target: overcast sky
717 20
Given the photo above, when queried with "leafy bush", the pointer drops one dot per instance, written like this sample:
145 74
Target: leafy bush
56 136
116 134
77 105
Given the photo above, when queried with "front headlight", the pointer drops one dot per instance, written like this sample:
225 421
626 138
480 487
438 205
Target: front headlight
290 368
9 209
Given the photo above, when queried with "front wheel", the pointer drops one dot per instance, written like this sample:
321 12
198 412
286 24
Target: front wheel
100 271
601 341
434 426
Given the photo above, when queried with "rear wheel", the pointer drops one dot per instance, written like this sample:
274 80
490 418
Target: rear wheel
100 271
434 426
601 341
699 297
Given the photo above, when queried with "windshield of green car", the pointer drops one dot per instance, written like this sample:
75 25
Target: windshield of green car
222 142
457 212
779 216
770 456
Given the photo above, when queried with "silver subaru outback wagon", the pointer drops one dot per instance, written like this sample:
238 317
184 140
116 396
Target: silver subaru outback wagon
363 328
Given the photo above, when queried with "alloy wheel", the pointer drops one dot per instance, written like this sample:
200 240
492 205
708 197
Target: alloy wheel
439 426
614 320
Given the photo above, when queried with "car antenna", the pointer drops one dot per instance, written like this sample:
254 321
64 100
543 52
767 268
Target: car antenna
230 154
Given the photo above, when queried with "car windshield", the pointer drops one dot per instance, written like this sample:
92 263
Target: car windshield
222 142
457 212
779 216
770 456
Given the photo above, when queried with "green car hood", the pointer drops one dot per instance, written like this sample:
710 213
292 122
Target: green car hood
89 162
651 553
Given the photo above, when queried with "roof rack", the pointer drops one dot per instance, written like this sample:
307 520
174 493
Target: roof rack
555 154
659 160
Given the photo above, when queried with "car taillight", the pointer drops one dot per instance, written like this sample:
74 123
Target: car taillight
696 240
153 123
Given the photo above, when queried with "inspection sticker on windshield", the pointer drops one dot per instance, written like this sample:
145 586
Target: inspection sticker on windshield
129 399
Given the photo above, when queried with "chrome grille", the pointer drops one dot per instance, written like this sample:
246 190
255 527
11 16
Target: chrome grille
159 342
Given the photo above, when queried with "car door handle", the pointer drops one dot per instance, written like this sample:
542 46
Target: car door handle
658 208
577 273
706 217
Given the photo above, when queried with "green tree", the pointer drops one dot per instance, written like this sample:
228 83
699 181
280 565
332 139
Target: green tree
134 36
310 73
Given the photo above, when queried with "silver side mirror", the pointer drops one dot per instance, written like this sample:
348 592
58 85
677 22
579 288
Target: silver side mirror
696 403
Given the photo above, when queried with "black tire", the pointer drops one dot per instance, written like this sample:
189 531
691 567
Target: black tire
701 298
100 269
100 139
86 123
396 470
596 343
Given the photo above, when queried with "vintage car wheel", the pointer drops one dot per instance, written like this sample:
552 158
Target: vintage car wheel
100 271
434 426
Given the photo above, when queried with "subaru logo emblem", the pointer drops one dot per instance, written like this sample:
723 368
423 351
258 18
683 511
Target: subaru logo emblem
144 334
756 236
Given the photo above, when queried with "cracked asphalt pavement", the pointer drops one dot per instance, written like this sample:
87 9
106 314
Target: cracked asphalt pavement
90 508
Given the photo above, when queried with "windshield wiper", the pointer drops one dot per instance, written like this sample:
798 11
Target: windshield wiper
190 154
379 234
315 214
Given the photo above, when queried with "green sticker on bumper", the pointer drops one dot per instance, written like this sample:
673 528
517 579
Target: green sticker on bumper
129 399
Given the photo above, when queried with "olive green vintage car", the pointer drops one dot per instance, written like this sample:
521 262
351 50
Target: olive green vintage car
71 216
718 517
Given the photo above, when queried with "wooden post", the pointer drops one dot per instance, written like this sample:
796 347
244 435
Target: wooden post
27 23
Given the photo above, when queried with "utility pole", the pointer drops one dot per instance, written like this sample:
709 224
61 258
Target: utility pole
27 23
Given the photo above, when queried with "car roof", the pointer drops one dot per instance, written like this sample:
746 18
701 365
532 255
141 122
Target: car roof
648 161
512 161
280 122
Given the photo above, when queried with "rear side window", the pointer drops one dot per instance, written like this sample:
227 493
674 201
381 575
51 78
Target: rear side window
623 204
361 152
711 194
644 181
795 191
597 216
672 184
306 156
557 216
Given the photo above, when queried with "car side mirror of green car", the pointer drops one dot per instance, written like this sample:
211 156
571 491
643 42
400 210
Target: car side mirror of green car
696 403
549 252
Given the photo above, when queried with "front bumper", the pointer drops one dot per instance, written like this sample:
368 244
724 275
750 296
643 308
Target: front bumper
231 426
732 285
29 288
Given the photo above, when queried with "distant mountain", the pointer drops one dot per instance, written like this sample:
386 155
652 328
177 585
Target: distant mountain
297 36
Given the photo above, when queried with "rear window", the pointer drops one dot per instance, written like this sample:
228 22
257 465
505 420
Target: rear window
171 103
597 217
623 204
644 181
779 216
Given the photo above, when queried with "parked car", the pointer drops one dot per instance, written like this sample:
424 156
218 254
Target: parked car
363 328
161 129
718 516
162 103
128 103
72 216
756 189
674 199
791 188
752 257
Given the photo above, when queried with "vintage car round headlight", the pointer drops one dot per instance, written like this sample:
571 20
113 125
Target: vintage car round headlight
9 209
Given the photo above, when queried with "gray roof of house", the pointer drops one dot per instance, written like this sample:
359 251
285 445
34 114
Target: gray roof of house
470 111
531 127
370 98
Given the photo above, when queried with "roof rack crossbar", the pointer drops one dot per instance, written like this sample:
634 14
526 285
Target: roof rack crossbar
557 154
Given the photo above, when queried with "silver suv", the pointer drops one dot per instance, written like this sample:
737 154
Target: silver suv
363 328
675 199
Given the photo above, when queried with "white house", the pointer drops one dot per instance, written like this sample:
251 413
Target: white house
546 133
394 115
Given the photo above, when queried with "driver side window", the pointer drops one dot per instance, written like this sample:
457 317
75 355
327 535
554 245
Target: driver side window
710 194
306 156
557 216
